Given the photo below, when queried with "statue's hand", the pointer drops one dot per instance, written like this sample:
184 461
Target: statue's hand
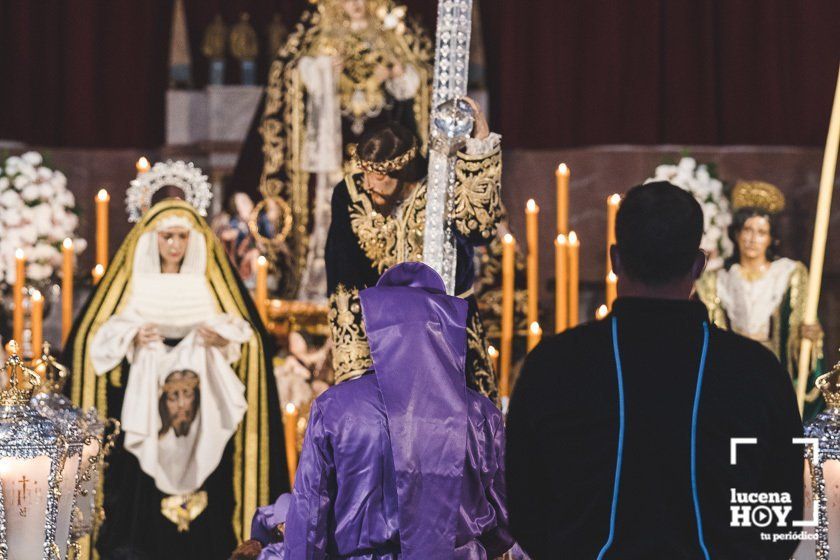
147 335
811 332
211 337
481 129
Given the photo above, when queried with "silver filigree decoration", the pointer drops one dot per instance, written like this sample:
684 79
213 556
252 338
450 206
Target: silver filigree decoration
180 174
825 427
452 51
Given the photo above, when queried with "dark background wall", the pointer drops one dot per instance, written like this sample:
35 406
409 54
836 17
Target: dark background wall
562 73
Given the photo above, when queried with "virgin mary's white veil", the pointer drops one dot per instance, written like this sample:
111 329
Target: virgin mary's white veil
175 303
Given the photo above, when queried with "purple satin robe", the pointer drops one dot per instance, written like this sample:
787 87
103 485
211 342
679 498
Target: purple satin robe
404 462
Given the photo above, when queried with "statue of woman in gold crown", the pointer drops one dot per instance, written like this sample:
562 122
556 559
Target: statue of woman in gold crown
348 66
758 293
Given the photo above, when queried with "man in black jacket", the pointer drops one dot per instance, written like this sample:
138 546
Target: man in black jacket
621 433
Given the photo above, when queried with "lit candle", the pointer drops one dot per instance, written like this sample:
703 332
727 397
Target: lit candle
612 209
612 289
20 283
562 178
601 312
561 285
494 357
142 165
574 278
290 421
97 273
261 288
532 212
66 288
102 200
534 335
508 248
37 324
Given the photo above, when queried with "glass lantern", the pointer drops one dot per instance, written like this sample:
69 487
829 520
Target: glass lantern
822 474
50 401
39 472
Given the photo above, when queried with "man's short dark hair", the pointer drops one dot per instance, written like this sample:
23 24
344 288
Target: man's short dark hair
658 231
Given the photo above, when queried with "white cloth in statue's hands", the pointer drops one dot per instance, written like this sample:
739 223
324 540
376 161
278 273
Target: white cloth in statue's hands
182 405
404 86
114 341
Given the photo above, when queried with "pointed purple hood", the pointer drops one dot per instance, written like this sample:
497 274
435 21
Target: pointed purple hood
418 341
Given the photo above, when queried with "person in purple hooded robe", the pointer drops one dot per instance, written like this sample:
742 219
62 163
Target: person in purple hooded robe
403 462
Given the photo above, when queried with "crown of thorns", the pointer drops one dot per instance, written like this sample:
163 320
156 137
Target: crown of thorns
387 166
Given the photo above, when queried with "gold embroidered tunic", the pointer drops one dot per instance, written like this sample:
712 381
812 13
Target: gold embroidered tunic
363 243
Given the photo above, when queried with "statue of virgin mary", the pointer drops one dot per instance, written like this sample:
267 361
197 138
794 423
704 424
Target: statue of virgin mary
171 343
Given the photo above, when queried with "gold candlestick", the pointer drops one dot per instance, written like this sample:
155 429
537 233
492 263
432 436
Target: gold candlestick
562 178
261 288
532 212
66 288
102 200
561 286
290 421
574 279
508 248
37 312
20 284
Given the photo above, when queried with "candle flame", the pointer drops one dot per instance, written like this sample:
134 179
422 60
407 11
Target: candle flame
19 254
531 205
36 296
262 261
612 278
99 270
102 195
602 312
562 169
492 352
573 238
507 239
290 408
67 243
535 328
142 165
561 239
614 200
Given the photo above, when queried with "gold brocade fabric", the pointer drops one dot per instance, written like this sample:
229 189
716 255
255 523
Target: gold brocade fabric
324 30
250 481
182 510
388 240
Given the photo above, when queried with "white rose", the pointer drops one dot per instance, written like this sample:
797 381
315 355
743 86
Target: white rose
41 252
713 233
703 173
66 199
42 219
687 164
44 173
59 180
12 165
10 200
28 171
12 218
716 187
30 193
4 183
27 233
32 158
21 181
46 191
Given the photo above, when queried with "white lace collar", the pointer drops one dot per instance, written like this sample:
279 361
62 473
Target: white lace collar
750 304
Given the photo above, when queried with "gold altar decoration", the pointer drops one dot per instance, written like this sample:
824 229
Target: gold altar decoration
325 30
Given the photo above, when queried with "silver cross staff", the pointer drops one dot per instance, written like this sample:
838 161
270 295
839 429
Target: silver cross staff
451 122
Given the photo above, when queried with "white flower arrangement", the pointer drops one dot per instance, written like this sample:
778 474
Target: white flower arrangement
37 212
708 190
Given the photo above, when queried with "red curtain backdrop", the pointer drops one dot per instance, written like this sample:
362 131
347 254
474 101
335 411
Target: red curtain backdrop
562 73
